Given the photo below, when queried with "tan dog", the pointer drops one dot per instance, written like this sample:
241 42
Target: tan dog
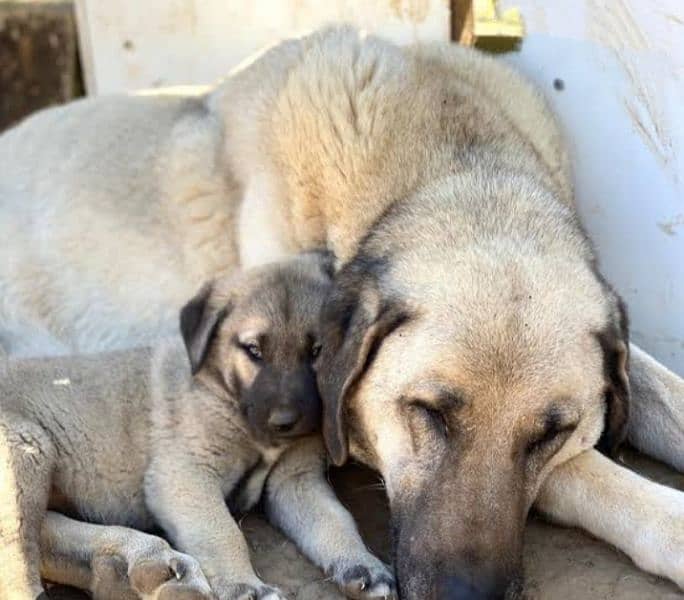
473 353
130 439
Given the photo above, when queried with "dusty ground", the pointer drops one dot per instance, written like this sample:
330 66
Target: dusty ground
560 564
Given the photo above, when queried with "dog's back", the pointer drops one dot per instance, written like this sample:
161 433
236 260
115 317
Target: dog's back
112 181
338 126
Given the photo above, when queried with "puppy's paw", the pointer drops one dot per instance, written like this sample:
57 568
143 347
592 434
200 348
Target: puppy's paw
225 590
170 576
154 570
365 580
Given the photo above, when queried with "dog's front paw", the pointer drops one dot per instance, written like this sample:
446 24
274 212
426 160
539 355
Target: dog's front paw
226 590
661 549
654 539
365 580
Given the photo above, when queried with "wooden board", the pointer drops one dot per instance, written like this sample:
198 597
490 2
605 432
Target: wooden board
130 44
38 57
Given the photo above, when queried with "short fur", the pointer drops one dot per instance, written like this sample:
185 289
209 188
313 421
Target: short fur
473 352
131 439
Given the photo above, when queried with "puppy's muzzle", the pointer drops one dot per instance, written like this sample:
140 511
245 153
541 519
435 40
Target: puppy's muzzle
283 420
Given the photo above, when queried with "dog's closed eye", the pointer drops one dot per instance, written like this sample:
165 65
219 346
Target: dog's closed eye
552 438
252 349
425 416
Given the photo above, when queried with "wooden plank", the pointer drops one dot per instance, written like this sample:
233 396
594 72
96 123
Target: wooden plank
462 22
129 44
38 57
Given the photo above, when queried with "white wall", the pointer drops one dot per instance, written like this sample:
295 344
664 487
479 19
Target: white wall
622 65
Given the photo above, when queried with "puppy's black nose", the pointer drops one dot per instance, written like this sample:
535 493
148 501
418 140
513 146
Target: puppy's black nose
283 419
450 587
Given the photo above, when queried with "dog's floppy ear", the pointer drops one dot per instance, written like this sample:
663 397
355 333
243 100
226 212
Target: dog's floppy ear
614 341
198 322
354 325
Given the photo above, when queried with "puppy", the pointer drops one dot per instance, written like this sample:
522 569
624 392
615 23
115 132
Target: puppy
134 439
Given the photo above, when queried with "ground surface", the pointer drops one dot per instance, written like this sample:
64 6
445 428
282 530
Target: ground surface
560 564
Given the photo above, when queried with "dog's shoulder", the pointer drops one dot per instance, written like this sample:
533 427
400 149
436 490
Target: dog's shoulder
494 86
342 120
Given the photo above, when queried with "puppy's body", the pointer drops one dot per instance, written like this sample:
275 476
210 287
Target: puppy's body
76 439
132 439
95 411
105 422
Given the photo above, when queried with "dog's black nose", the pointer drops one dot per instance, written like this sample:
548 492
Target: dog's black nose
283 419
451 587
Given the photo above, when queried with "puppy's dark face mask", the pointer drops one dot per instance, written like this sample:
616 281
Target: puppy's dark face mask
282 403
257 335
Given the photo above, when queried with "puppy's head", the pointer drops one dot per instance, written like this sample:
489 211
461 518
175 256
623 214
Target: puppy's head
255 334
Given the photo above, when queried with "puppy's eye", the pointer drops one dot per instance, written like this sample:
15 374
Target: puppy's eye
253 351
429 417
315 351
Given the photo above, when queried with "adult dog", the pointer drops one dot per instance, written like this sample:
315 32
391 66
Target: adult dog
474 354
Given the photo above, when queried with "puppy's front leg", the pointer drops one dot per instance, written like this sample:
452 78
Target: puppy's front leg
192 510
642 518
302 504
117 563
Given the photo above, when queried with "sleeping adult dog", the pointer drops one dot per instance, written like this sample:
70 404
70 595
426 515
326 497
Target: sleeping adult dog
473 353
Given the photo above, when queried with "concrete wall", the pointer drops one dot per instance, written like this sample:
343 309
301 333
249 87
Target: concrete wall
38 57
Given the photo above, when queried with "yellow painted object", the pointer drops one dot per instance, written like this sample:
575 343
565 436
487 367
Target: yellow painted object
494 30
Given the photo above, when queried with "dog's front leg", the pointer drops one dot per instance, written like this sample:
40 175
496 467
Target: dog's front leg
192 510
656 422
302 504
642 518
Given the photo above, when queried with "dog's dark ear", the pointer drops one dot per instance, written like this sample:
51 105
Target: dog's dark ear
354 324
198 322
614 341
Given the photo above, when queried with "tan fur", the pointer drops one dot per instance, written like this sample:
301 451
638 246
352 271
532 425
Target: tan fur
441 182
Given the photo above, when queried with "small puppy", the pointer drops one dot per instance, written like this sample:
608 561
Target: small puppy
132 439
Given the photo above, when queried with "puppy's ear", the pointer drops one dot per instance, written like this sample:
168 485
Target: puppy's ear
614 341
198 322
324 259
354 325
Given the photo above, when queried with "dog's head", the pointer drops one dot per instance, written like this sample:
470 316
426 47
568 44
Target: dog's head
465 361
256 335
